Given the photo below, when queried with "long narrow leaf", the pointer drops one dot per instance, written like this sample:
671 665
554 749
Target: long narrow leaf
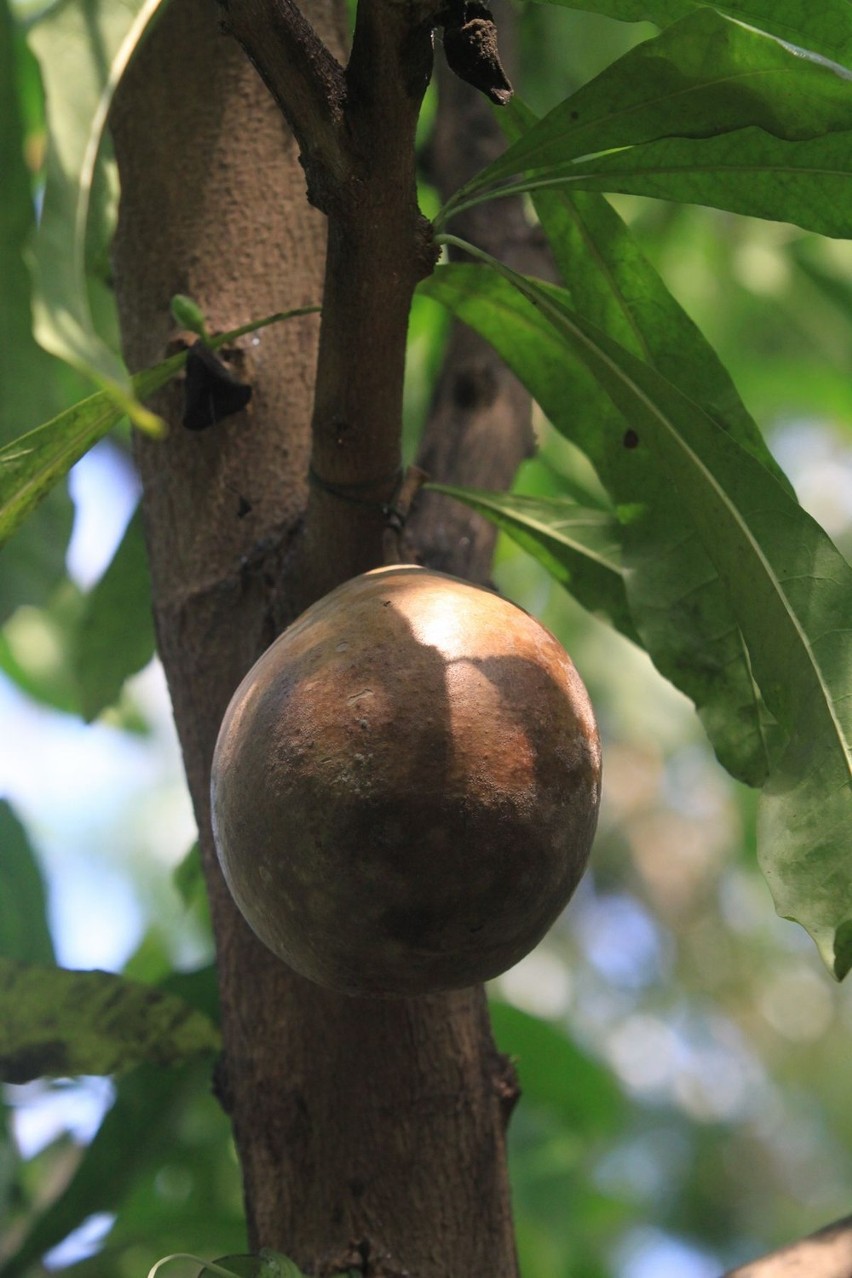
82 51
677 601
807 183
614 285
33 385
706 75
824 28
31 465
579 546
749 172
791 592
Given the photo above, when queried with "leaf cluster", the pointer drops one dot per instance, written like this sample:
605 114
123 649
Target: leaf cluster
736 593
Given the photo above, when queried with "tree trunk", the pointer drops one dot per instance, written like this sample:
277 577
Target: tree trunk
370 1133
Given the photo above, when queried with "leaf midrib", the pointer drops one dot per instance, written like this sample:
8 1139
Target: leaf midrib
733 511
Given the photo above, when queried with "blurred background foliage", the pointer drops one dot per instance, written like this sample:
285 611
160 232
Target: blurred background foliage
683 1053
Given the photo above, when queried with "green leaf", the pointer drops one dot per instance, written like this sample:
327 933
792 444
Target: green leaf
24 932
219 1268
579 546
812 262
824 28
136 1134
705 75
189 315
32 464
614 285
36 649
116 634
275 1265
263 1264
34 560
83 51
807 183
791 594
55 1022
677 601
188 877
32 384
198 988
843 950
806 806
26 389
556 1074
183 1192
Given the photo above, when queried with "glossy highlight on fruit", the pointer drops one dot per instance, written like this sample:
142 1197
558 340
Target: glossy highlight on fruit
406 786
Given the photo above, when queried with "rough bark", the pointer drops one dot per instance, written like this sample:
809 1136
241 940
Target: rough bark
369 1133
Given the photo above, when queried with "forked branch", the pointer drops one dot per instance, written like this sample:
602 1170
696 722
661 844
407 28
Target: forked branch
304 78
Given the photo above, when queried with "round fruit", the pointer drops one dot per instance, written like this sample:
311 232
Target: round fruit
406 786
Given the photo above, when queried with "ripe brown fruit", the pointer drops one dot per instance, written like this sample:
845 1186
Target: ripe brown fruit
406 786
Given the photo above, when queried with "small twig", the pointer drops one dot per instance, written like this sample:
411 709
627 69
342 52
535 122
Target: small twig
397 514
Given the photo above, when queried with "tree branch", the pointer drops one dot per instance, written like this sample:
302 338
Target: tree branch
479 428
379 246
306 81
356 132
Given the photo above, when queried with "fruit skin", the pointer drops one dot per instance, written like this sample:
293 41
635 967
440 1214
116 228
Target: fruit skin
406 786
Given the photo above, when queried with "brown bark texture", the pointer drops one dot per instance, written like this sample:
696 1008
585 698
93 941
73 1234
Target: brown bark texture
370 1133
